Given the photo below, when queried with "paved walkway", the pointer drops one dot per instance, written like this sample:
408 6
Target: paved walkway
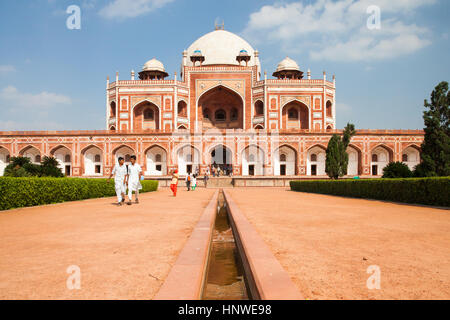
123 252
327 243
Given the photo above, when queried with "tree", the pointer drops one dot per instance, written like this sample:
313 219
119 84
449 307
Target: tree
22 167
49 162
436 145
49 168
337 156
334 157
397 170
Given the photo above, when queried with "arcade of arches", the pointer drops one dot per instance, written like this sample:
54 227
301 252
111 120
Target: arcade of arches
252 160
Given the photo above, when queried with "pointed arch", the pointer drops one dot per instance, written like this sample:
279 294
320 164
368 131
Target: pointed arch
354 167
413 145
188 158
410 155
220 85
125 151
32 153
318 145
285 160
315 160
329 109
151 103
253 160
380 156
301 109
92 160
5 156
258 108
84 149
156 160
60 146
63 154
221 98
387 148
221 155
182 108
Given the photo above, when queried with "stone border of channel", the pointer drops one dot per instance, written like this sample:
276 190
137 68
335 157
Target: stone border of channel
185 279
269 281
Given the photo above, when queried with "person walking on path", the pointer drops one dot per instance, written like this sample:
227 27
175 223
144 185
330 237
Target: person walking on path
207 173
120 173
188 181
194 182
174 182
134 180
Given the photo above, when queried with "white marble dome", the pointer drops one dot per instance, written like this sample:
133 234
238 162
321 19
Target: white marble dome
221 47
287 64
153 65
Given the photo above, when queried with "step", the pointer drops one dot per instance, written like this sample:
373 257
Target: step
220 182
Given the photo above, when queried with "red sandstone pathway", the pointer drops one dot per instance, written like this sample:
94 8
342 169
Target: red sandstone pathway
123 252
327 243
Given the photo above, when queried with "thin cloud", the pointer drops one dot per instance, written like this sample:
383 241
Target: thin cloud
12 97
7 69
124 9
336 30
28 111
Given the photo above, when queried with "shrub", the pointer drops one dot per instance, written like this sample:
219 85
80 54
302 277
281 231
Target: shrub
397 170
428 191
33 191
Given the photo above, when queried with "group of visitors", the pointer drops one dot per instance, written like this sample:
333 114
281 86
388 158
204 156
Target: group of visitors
127 177
225 170
191 180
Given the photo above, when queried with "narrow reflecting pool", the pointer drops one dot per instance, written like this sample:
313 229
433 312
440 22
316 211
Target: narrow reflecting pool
225 276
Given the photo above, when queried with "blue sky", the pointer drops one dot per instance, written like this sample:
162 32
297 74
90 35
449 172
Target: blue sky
53 78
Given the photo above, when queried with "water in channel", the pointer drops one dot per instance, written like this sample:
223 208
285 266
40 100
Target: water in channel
225 276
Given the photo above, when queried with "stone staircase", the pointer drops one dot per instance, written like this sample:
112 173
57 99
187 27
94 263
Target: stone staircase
220 182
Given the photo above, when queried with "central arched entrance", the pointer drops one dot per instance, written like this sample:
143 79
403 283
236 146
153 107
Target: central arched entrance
221 157
221 108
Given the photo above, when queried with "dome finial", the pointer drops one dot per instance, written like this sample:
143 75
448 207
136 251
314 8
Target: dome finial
219 24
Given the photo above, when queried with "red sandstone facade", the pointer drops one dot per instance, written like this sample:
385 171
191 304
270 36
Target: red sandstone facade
218 111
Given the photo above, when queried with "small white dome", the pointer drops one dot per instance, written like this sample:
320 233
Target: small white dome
287 64
153 65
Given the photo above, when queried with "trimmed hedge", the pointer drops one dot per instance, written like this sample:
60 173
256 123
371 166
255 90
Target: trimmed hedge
33 191
428 191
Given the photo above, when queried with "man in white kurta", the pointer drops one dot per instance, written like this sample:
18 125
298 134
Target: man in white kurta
134 179
120 173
